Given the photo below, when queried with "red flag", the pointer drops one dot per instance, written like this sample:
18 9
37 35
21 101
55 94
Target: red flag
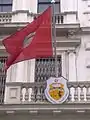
36 35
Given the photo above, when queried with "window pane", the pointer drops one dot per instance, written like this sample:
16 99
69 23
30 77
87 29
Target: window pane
0 9
0 1
48 0
57 8
5 1
45 68
6 8
42 7
43 0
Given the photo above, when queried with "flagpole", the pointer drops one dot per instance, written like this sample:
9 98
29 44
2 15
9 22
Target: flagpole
54 36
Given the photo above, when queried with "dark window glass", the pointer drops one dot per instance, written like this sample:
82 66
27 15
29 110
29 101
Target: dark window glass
42 7
5 5
45 68
5 1
43 4
2 79
0 8
47 0
6 8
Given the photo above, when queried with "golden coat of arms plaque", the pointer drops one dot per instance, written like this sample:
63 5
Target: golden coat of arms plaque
56 90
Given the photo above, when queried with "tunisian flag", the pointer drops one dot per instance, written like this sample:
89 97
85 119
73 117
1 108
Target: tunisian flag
33 41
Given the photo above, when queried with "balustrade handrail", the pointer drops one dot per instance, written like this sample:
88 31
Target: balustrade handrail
29 84
79 84
5 13
79 92
8 15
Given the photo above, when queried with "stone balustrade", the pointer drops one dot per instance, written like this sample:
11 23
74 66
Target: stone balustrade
34 92
5 17
59 19
2 88
28 93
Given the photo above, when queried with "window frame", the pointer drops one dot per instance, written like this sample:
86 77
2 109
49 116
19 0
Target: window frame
46 61
5 5
48 3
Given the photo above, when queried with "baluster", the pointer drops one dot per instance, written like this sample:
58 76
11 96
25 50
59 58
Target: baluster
70 94
26 95
69 97
79 89
87 93
23 91
56 19
21 96
43 94
61 19
30 92
81 94
76 94
38 95
33 95
84 91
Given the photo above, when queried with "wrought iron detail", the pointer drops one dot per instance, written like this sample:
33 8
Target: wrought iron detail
2 78
45 68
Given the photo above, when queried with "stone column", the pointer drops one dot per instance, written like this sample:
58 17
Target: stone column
32 70
12 90
29 70
72 66
11 73
32 5
65 64
69 5
21 9
21 5
20 72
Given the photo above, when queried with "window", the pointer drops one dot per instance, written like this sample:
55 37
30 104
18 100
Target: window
5 5
2 79
43 4
45 68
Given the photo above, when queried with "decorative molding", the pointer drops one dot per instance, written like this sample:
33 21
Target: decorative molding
88 62
87 12
70 12
13 93
85 30
20 11
71 33
85 0
87 46
47 107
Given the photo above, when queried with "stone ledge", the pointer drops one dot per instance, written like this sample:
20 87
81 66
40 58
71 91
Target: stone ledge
70 107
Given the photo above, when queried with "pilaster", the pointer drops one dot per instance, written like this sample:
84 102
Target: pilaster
21 10
65 64
72 66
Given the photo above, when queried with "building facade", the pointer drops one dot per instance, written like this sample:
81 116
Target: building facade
22 87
